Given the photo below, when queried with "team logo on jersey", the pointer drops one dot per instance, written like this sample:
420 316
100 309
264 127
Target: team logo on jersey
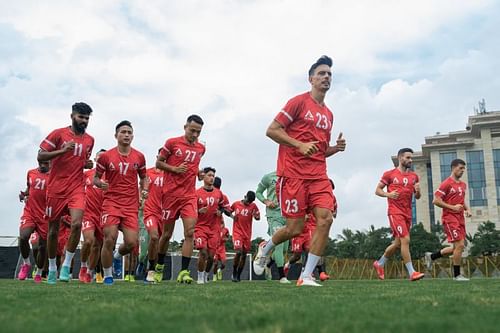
309 115
136 166
395 181
111 166
453 190
178 152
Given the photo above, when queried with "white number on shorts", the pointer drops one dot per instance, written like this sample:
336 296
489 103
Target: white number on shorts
292 206
149 223
190 156
166 214
85 224
455 234
104 219
48 211
123 168
39 184
400 229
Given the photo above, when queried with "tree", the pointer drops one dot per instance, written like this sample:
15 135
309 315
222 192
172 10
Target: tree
422 241
375 242
486 240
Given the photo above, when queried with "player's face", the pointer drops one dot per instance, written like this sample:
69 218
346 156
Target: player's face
79 122
44 166
322 78
459 170
406 160
209 178
124 135
192 131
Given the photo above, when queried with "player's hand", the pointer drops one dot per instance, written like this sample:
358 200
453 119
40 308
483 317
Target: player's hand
23 196
417 188
89 164
144 194
341 144
218 212
68 146
393 195
468 213
457 208
104 185
269 204
181 168
203 210
308 148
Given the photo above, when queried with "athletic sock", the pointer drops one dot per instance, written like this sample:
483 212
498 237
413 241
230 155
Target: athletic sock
108 272
382 260
161 258
98 269
281 272
201 277
456 270
26 261
268 247
84 264
151 265
312 261
235 271
52 265
271 262
409 268
436 255
240 270
320 269
68 258
185 263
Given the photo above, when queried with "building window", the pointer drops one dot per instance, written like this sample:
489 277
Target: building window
413 211
445 163
496 165
430 194
477 178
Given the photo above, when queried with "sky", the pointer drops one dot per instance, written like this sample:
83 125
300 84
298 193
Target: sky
402 71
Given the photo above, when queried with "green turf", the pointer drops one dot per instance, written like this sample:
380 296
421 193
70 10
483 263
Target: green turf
339 306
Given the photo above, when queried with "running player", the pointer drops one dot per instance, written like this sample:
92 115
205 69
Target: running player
274 220
153 222
69 150
32 220
244 211
206 231
450 196
122 165
180 159
220 254
303 130
91 227
402 184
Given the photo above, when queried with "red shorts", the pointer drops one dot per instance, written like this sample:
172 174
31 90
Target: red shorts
241 243
40 225
400 225
153 222
220 254
58 207
93 223
62 239
175 207
34 238
298 196
454 228
123 219
205 238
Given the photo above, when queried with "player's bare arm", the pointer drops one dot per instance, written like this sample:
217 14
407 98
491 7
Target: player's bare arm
441 204
162 165
468 212
144 187
89 164
340 146
98 182
44 155
277 133
418 194
381 193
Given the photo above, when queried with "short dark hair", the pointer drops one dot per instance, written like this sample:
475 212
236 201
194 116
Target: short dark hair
457 162
404 150
324 60
194 117
101 150
81 108
250 196
123 123
208 169
217 182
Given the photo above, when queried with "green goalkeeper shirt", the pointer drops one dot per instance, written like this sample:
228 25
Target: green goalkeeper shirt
268 185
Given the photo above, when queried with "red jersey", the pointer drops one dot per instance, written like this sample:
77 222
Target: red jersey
121 174
224 234
37 190
453 193
305 120
243 216
212 199
93 195
176 151
155 178
66 174
404 184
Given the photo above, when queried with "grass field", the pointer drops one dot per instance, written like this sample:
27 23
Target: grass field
339 306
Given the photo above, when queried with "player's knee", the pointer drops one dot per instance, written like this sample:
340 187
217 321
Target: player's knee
153 238
88 242
188 233
76 225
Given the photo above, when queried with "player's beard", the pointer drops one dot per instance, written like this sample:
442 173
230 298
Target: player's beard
79 127
44 169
